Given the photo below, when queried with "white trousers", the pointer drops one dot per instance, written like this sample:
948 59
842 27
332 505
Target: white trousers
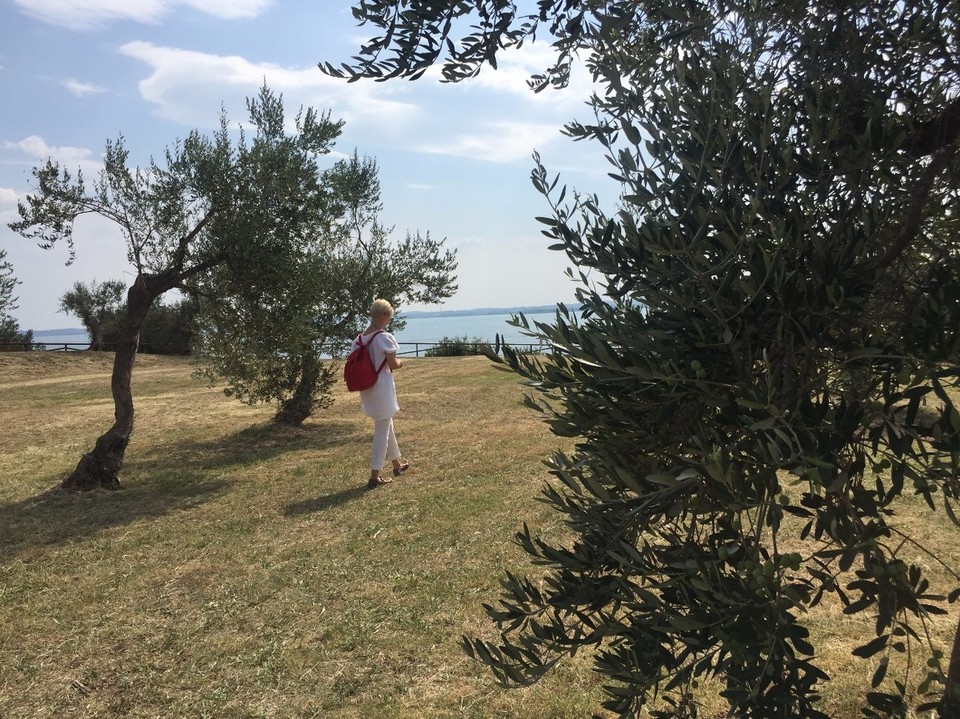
384 443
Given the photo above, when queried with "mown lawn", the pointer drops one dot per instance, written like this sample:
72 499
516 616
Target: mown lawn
245 571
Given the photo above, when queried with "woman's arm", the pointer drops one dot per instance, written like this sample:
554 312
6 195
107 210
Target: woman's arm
392 362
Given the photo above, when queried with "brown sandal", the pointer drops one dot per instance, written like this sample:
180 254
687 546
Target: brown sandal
404 466
373 483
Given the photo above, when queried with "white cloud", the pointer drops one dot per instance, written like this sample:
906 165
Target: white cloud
70 158
499 142
8 206
189 87
229 9
89 14
83 88
516 67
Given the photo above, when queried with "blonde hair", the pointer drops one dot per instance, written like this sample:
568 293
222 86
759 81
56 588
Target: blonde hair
381 308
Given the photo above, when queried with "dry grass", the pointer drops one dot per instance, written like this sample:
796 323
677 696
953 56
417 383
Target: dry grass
244 571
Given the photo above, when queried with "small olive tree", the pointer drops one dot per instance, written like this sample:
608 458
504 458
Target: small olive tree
97 306
761 372
275 340
9 327
209 214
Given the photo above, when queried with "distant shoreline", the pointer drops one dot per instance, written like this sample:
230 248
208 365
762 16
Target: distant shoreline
527 310
64 331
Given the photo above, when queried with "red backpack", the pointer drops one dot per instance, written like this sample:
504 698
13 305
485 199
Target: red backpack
358 371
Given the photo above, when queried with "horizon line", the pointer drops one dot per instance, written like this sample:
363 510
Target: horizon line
405 313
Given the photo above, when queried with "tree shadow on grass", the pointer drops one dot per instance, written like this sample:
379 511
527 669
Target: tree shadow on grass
255 444
321 504
57 517
173 477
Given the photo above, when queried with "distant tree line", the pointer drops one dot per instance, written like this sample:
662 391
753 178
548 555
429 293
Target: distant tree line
167 329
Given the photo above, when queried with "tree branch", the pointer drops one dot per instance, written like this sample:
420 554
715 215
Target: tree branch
935 134
914 214
181 252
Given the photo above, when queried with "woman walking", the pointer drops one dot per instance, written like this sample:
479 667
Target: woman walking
380 401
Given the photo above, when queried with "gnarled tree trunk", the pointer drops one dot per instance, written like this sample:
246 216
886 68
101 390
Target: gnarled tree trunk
312 392
100 466
299 406
950 704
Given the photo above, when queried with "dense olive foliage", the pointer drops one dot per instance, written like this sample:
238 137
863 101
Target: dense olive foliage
762 367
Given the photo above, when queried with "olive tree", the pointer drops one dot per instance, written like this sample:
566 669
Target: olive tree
8 284
9 327
96 306
212 207
168 328
269 343
760 376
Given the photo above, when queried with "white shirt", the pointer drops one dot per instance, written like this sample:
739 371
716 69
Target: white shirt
380 401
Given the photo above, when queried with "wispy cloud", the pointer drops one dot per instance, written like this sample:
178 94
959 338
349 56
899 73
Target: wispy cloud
516 67
8 205
189 86
80 89
37 150
90 14
498 142
8 197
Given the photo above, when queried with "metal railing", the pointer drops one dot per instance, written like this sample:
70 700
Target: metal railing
451 349
61 347
43 346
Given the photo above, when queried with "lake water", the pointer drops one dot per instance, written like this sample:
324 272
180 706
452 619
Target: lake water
484 327
427 330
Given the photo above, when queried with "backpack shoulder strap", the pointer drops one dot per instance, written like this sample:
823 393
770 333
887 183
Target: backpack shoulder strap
371 337
384 363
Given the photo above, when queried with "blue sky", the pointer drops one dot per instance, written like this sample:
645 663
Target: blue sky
455 160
